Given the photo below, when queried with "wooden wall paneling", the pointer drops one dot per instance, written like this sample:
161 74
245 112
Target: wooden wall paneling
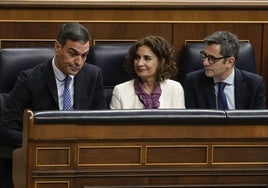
19 32
29 30
87 13
125 4
130 31
26 43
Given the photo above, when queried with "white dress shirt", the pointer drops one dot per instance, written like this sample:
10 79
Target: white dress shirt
228 90
60 76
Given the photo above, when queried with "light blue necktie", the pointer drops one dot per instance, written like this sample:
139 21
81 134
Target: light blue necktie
67 103
222 101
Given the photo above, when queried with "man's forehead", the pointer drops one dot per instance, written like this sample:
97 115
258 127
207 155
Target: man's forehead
78 47
216 48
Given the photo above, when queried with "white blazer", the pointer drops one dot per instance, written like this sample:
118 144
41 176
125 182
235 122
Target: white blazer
124 96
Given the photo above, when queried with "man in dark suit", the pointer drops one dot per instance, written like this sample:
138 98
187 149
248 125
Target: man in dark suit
242 89
43 87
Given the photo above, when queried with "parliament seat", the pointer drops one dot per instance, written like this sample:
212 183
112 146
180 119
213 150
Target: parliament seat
12 62
110 58
191 61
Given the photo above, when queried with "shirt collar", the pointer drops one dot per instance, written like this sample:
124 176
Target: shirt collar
60 76
229 80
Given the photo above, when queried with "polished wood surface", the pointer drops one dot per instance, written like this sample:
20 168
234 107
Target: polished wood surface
138 3
134 15
141 154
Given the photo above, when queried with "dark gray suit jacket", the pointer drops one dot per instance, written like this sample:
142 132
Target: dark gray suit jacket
36 90
249 91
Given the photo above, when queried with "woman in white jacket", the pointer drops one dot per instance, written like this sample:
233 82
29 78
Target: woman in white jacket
150 61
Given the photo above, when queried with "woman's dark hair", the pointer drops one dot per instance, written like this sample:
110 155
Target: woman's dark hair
162 49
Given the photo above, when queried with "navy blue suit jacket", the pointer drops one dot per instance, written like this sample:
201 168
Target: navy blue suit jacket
249 90
36 90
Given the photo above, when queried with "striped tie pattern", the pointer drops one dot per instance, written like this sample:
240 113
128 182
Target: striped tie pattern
67 104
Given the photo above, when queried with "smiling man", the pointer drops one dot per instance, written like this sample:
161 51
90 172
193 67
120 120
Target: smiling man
43 87
220 85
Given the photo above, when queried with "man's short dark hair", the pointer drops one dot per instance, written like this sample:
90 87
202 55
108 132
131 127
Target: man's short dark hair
73 31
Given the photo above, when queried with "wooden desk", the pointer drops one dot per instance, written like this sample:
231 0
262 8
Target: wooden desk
179 148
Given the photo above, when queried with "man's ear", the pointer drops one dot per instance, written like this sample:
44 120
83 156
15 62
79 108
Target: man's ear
57 46
231 61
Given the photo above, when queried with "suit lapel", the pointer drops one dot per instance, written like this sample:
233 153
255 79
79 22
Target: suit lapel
78 88
211 93
240 88
51 82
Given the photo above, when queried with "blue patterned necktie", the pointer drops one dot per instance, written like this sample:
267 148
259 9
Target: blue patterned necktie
222 101
67 104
